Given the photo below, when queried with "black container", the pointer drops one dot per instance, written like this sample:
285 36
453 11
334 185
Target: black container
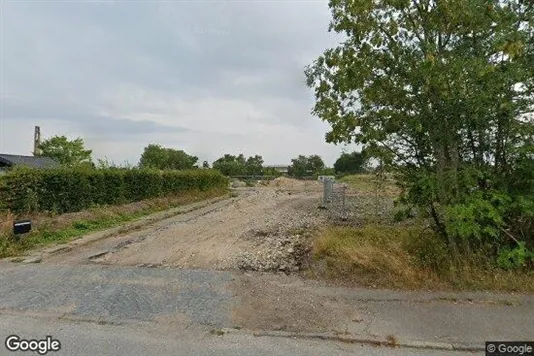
22 226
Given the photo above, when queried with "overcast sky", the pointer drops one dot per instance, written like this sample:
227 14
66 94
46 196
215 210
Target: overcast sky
206 77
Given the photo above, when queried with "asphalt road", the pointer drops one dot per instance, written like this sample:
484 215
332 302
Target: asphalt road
118 294
83 338
101 310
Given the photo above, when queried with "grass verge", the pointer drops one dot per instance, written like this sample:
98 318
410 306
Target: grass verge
405 257
49 229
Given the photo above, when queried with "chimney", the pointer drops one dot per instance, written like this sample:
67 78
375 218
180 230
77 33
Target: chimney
37 141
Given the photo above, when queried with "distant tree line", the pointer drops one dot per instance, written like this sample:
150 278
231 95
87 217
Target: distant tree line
72 153
231 165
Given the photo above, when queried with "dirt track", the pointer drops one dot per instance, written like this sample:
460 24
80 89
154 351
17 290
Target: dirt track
257 228
260 229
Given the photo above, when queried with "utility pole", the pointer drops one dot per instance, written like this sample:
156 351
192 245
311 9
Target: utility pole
37 141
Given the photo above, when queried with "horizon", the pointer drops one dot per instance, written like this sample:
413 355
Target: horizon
208 78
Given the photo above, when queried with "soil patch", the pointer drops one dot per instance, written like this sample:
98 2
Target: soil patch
285 303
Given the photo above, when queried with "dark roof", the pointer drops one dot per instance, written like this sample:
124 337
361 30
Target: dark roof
28 161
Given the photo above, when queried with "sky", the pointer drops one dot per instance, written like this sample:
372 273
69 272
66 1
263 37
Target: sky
207 77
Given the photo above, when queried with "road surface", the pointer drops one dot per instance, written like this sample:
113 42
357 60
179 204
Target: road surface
82 338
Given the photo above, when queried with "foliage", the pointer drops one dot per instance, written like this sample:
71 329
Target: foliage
272 172
66 152
351 163
442 93
518 257
104 163
25 190
231 165
205 164
410 256
254 165
326 172
303 166
158 157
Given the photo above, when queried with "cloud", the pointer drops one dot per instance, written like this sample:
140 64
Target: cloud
207 77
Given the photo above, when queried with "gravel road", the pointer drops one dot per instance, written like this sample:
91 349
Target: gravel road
261 229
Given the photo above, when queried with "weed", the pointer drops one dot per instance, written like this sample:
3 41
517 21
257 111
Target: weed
217 332
406 257
392 340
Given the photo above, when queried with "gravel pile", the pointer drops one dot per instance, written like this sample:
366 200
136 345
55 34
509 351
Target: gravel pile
276 255
281 243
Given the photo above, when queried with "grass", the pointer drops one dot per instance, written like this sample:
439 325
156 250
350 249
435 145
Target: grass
366 184
405 257
378 252
49 229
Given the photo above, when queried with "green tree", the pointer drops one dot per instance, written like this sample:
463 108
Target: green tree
442 92
351 163
205 164
327 172
315 164
105 163
241 159
231 165
67 152
298 167
254 165
158 157
303 166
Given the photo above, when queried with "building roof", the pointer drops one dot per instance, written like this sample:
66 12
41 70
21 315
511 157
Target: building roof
277 165
28 161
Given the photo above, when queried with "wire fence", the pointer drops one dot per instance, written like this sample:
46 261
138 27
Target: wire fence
334 198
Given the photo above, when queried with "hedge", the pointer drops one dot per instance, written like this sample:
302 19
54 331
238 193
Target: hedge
63 190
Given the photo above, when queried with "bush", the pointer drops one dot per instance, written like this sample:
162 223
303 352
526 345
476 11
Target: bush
63 190
518 257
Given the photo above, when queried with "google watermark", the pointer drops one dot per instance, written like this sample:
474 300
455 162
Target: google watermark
510 348
41 347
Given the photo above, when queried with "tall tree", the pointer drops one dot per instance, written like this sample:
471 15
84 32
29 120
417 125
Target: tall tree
254 165
231 165
298 167
66 152
351 163
158 157
315 164
443 93
303 166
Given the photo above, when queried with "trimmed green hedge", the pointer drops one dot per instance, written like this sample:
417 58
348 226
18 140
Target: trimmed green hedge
63 190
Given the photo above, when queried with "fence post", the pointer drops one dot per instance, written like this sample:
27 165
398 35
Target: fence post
344 213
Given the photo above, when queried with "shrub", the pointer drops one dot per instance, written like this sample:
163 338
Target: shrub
518 257
62 190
